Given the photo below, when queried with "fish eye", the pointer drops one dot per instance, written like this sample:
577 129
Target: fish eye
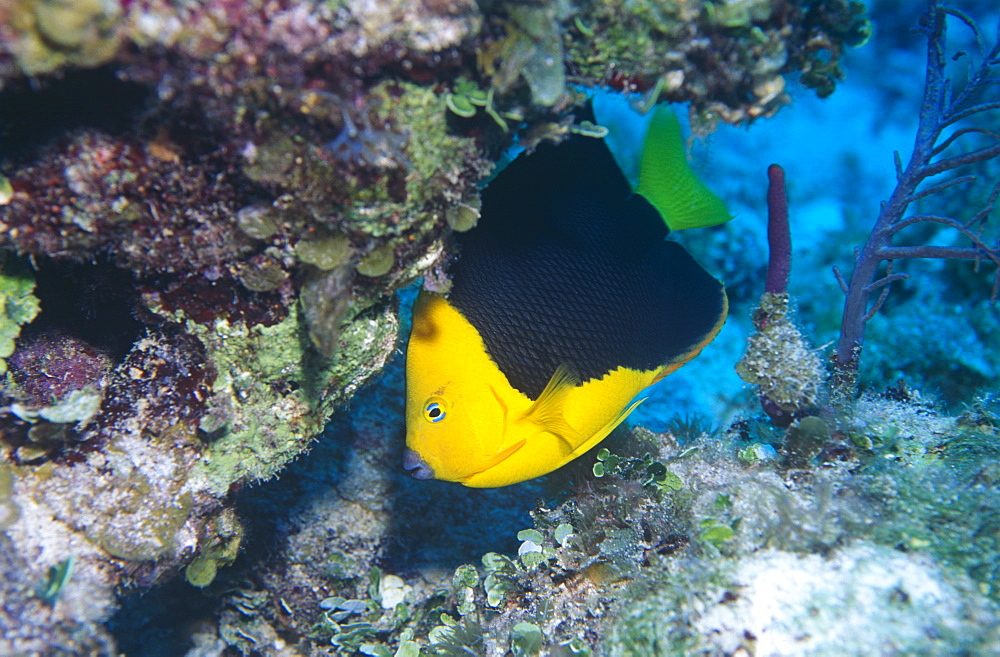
434 410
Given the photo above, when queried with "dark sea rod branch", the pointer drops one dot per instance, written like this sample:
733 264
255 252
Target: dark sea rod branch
941 107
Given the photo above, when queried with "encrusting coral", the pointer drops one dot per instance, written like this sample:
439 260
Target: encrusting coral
787 372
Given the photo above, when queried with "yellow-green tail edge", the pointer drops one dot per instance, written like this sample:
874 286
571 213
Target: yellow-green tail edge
667 181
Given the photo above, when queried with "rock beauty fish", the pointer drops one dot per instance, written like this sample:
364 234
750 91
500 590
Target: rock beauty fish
566 302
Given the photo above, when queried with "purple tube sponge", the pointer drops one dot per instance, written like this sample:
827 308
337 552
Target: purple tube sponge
779 238
778 361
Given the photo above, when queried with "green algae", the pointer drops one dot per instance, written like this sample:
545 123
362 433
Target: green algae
325 252
57 577
738 13
201 571
259 221
18 304
466 96
9 511
526 639
77 406
6 190
462 217
224 537
377 262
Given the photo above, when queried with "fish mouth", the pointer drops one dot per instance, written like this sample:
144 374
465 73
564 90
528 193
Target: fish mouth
416 466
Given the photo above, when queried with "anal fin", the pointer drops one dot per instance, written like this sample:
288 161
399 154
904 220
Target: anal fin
603 432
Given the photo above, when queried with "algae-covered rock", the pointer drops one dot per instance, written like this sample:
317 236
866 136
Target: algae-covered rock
278 392
68 623
55 33
891 548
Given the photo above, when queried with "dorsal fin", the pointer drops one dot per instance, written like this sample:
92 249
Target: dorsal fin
667 181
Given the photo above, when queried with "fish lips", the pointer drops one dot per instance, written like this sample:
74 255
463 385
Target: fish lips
416 466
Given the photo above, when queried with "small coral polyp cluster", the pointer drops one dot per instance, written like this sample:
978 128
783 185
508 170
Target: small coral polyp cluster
249 183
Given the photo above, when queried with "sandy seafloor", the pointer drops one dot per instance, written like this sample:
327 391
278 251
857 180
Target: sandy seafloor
837 154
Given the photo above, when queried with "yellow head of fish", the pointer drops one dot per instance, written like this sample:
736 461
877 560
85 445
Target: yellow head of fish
465 422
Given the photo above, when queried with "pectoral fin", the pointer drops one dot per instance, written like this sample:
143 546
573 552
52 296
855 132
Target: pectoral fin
499 456
547 410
